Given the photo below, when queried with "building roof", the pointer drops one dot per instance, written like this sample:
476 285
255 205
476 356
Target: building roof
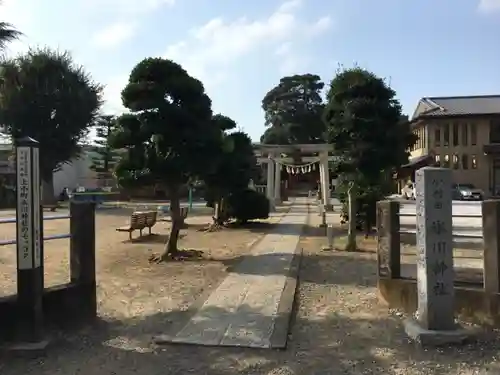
457 106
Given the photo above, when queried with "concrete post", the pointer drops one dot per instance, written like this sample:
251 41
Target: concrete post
388 242
435 319
491 262
29 243
82 255
329 238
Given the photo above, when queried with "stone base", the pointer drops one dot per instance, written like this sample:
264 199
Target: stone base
26 349
426 337
272 206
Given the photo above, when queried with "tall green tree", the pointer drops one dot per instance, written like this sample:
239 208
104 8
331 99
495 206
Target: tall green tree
105 156
235 166
169 135
46 96
7 34
363 118
293 111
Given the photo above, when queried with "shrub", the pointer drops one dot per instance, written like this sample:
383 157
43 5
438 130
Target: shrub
366 205
248 205
209 198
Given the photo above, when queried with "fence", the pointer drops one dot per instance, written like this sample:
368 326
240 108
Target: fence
13 220
476 301
70 303
261 189
467 223
25 315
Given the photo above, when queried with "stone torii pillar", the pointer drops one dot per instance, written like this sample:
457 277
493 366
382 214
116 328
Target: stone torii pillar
324 177
270 182
277 183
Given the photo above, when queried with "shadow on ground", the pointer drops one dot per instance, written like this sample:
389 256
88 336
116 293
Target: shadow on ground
279 228
347 342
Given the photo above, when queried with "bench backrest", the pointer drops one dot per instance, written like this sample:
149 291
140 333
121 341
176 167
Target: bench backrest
138 221
184 212
151 218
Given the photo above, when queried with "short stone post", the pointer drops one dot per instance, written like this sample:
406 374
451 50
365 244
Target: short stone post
491 261
329 238
435 318
388 242
28 242
82 255
322 213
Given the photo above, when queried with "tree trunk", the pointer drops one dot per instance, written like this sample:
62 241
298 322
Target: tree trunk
351 234
220 215
48 196
218 212
223 210
175 213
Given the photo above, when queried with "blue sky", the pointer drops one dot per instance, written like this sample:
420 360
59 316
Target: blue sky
241 49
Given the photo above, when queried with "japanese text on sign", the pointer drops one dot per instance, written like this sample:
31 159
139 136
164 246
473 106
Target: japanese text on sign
24 224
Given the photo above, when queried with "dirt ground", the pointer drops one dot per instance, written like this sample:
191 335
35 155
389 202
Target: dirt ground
339 328
123 271
468 263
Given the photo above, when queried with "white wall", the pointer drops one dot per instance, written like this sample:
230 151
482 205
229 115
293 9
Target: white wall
77 173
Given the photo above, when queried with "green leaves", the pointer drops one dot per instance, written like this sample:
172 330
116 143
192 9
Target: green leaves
7 34
293 110
44 95
169 136
105 156
224 123
363 120
234 164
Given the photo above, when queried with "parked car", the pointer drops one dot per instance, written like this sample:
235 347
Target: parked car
466 192
408 191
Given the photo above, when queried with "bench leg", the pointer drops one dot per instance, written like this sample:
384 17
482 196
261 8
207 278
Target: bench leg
140 232
130 236
149 230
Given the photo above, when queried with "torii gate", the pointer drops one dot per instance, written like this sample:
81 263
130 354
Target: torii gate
271 155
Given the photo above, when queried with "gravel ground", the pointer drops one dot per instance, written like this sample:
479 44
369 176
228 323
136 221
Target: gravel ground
340 328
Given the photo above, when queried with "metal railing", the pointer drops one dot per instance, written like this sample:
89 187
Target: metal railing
467 222
10 220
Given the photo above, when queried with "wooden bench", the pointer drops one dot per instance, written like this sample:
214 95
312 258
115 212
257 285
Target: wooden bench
138 222
184 214
151 219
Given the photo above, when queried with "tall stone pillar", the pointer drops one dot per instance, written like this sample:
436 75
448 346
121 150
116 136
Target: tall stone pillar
277 183
325 180
435 319
270 181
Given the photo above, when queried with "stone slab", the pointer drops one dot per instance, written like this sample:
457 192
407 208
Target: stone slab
26 349
253 305
435 272
432 338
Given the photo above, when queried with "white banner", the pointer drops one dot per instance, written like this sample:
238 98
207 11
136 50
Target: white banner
36 206
24 209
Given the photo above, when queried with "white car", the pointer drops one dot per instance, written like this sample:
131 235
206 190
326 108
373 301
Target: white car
408 191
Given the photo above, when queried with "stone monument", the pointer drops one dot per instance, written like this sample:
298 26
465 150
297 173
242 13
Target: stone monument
434 322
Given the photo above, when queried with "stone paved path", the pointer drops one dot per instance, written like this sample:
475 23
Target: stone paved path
252 306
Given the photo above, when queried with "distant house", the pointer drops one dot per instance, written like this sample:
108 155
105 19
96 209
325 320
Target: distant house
71 175
461 133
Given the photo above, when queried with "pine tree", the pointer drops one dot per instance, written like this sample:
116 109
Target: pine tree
105 157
